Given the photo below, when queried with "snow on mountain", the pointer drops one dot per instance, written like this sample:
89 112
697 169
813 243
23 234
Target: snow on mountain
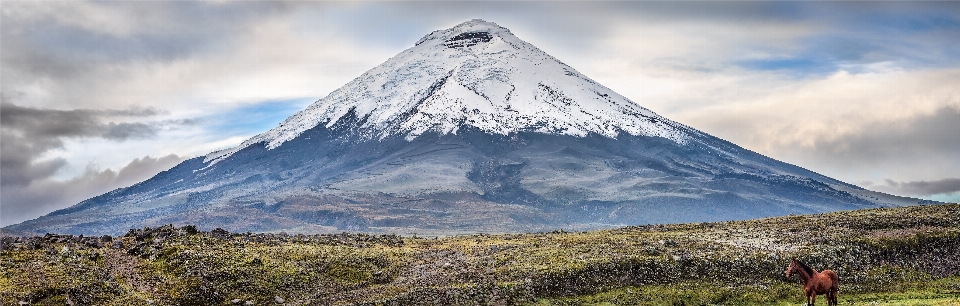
477 74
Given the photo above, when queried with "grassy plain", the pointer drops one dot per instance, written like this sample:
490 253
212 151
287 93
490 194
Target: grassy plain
899 256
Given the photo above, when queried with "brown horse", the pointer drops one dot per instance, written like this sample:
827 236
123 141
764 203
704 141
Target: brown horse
814 283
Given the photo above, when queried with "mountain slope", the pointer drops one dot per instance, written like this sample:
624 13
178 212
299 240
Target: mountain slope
470 130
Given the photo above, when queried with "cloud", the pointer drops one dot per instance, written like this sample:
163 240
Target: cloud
143 168
28 186
897 125
28 133
49 123
62 54
18 159
20 203
947 186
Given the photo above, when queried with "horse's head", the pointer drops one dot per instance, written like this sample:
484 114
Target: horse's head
792 268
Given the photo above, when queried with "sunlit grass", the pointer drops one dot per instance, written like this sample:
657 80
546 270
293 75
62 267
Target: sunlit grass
937 292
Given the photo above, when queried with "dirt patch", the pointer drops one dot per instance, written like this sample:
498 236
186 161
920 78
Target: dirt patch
904 232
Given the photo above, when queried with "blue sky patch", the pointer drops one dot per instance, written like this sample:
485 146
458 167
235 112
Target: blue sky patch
255 118
796 65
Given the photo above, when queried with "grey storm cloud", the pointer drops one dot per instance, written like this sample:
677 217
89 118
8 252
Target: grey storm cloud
29 132
48 123
27 186
923 188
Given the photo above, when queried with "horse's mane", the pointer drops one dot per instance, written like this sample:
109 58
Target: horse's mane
805 267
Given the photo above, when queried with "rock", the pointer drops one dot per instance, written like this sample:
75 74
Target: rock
7 242
220 233
278 299
235 301
35 243
248 303
189 229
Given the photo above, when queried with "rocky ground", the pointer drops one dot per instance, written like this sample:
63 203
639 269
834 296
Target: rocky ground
877 252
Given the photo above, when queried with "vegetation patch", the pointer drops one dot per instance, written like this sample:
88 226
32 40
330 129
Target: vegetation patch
898 256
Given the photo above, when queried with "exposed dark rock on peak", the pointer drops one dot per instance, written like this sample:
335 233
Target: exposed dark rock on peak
467 39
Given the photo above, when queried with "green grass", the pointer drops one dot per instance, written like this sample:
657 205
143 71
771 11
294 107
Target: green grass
936 292
902 256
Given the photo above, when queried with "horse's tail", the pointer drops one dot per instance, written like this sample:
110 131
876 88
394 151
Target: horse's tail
834 288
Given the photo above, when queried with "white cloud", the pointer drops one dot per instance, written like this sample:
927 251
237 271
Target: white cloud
665 65
821 123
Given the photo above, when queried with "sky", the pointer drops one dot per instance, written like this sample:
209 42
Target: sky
102 95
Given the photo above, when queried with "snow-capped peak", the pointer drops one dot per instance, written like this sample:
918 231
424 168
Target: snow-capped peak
479 74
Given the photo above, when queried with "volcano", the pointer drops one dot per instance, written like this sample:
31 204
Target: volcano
470 130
